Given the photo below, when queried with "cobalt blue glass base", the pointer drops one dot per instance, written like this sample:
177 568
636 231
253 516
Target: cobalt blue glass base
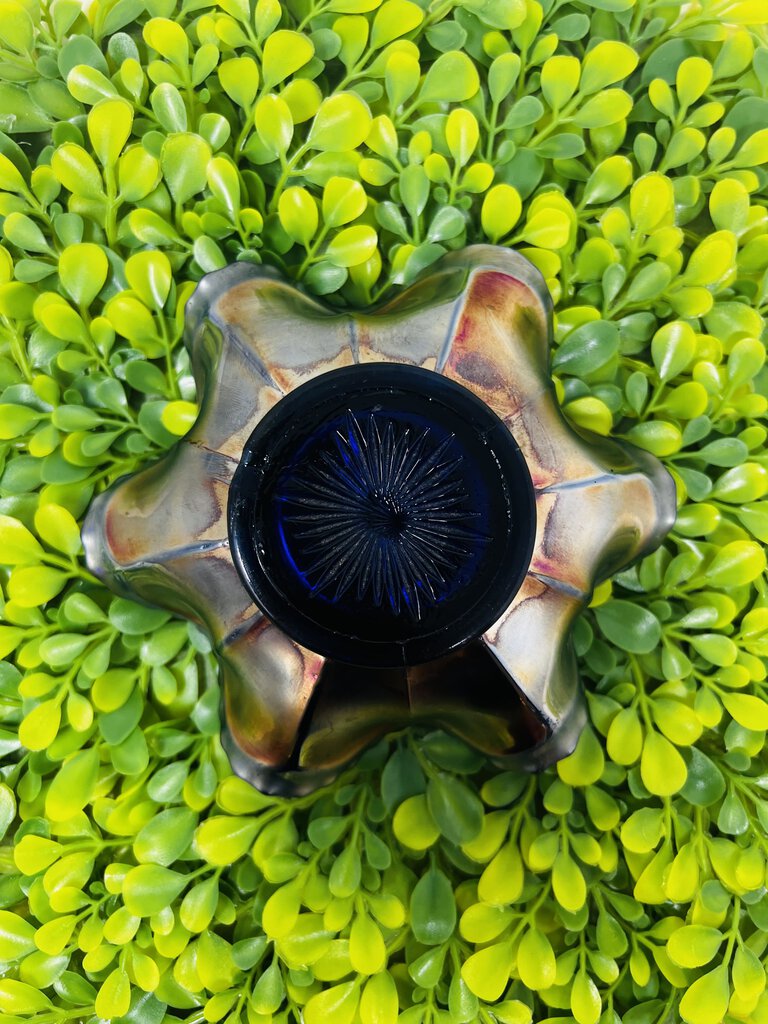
382 515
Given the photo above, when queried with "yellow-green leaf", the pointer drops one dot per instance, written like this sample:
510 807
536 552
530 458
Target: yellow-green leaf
284 53
706 1000
114 997
109 128
662 767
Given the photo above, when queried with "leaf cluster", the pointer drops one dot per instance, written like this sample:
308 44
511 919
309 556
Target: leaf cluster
617 144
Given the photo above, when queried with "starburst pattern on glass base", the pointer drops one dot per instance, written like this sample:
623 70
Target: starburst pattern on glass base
381 508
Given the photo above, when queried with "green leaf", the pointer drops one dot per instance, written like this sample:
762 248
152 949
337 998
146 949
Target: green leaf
568 883
23 232
629 626
378 1003
77 171
413 824
747 974
706 1000
352 246
179 417
281 911
426 970
586 1004
224 183
73 785
502 14
284 53
692 80
548 229
83 270
607 108
11 179
138 174
536 960
453 78
344 200
657 436
749 711
239 77
274 124
712 259
18 997
672 349
224 840
502 75
149 274
55 935
15 421
502 880
608 180
754 152
587 349
342 123
447 223
393 19
89 85
705 784
184 162
662 768
58 528
34 586
109 128
199 905
455 809
335 1005
462 133
736 564
17 937
298 214
559 80
308 942
18 30
269 991
625 737
7 813
148 888
746 359
168 38
402 778
486 972
649 283
165 837
651 200
367 952
501 210
433 908
344 878
401 77
114 996
585 765
606 63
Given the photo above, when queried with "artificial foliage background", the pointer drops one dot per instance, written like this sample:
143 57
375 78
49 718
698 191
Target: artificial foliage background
621 146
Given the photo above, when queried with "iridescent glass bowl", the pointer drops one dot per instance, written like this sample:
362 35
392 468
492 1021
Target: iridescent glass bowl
382 518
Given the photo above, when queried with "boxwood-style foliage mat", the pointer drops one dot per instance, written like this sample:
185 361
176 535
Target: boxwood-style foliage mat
618 144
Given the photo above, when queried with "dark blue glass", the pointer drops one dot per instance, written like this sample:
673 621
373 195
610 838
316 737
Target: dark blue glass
382 508
382 515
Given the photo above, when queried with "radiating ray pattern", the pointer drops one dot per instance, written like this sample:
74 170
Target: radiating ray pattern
381 510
